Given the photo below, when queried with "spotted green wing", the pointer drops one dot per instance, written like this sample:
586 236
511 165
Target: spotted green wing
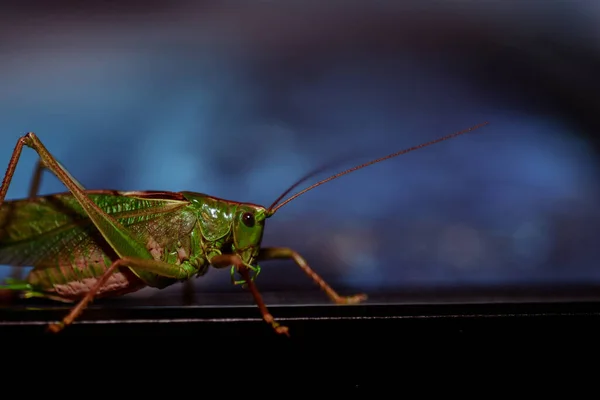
42 231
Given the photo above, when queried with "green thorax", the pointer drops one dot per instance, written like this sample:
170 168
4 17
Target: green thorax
228 226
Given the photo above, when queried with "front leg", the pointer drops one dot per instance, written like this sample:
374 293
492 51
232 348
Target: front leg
271 253
227 260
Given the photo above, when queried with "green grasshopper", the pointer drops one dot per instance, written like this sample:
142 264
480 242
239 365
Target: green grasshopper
86 244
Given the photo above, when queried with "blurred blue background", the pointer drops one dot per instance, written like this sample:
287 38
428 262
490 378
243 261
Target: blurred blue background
240 100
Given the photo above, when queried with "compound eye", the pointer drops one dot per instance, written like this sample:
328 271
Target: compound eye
248 219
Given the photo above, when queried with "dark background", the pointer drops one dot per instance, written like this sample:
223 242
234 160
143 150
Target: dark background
240 100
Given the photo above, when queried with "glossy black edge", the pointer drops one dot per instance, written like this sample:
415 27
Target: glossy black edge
324 322
450 313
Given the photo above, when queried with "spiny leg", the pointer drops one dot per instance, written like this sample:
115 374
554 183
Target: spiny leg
31 140
12 164
10 171
272 253
280 329
227 260
158 267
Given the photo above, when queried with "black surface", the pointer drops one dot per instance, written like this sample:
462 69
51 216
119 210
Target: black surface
420 336
326 323
517 313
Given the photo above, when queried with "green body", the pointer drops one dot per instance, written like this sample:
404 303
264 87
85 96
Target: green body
55 235
85 244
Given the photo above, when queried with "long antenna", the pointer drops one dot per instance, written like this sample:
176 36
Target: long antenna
274 207
309 175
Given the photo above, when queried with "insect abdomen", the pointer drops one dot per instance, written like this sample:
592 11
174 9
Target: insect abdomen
72 279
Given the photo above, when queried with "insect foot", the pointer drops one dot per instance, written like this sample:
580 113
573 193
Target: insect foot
350 299
55 328
280 329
